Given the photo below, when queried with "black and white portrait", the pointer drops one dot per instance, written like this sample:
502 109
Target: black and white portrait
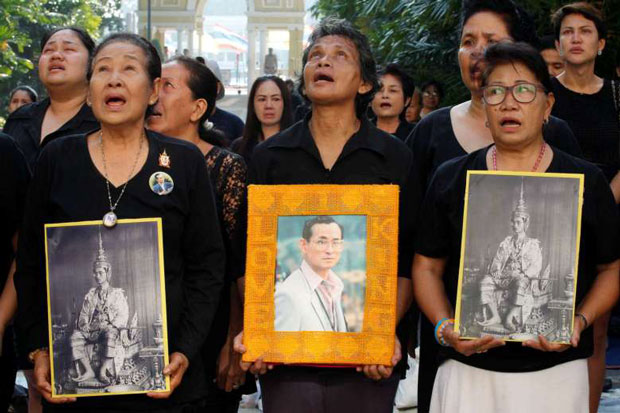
321 273
519 261
106 308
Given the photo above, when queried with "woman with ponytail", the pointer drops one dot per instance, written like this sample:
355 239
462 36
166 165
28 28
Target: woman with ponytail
187 94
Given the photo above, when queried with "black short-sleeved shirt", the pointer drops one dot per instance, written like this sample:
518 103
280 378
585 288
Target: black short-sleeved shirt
24 125
15 176
67 187
594 121
440 225
370 156
433 142
227 122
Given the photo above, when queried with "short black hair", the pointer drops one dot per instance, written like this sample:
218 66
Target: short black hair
339 27
435 83
203 85
153 61
547 42
84 37
586 10
201 60
31 92
320 219
508 52
406 81
519 23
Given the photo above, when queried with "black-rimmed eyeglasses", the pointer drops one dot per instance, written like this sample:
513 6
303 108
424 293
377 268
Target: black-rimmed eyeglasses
521 92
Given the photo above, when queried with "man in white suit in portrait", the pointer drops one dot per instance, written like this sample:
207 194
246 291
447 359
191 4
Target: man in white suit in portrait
310 298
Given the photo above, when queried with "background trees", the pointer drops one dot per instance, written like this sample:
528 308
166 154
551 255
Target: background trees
423 35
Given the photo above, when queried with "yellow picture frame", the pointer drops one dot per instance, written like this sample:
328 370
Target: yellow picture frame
560 304
374 344
162 331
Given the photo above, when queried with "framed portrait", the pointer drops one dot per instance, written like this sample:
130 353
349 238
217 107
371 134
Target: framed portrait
519 255
106 308
321 274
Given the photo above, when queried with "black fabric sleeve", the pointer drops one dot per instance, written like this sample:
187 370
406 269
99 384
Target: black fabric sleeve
559 134
203 256
607 221
237 203
433 233
31 318
409 205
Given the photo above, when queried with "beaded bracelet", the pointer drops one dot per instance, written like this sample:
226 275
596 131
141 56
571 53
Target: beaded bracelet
439 328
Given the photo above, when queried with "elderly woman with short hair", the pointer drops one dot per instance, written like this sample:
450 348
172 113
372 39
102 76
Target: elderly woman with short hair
109 173
488 374
335 144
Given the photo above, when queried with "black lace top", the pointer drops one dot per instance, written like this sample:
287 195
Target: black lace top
227 172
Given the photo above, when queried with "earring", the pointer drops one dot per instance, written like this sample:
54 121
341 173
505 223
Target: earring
600 52
545 121
486 123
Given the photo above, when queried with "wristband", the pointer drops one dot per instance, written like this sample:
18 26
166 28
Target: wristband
585 320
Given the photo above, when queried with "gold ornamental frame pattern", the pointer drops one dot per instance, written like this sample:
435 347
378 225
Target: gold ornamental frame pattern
162 287
579 177
375 343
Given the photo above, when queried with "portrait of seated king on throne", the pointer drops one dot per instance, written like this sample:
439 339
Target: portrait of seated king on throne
107 331
519 263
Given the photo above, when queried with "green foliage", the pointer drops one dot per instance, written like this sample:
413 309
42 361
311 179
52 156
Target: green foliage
423 36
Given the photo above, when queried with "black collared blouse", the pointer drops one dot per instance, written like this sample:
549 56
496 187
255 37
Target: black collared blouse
24 125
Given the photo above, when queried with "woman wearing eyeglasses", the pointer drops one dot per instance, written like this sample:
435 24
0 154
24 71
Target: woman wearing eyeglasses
454 131
488 374
432 93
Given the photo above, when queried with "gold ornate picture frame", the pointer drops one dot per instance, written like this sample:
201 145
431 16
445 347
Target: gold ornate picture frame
285 239
106 301
519 255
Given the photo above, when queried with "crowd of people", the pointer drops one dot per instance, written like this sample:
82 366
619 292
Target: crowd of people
113 109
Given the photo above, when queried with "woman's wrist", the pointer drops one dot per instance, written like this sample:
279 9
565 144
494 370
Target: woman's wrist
584 319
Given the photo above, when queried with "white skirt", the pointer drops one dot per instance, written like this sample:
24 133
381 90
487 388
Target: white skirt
460 388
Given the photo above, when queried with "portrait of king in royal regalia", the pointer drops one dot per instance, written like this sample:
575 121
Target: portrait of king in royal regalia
519 261
105 308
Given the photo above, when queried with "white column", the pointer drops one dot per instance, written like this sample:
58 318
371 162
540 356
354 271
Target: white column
190 42
179 42
263 49
200 37
251 57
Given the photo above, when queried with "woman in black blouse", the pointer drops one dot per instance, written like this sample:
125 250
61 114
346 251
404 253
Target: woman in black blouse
188 90
269 112
336 144
586 102
391 101
109 170
551 377
65 53
455 131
